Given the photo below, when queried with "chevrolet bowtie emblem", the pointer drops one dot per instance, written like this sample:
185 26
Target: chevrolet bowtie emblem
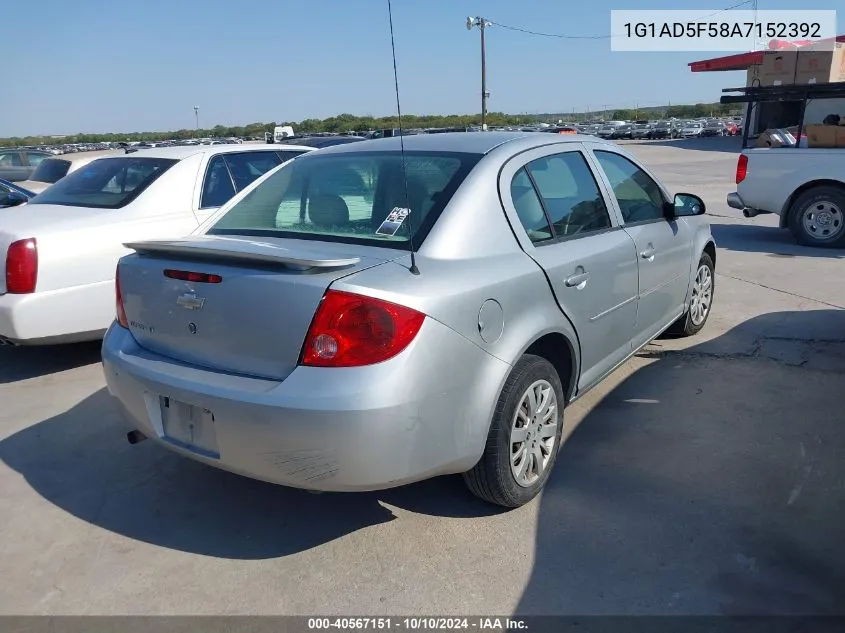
190 301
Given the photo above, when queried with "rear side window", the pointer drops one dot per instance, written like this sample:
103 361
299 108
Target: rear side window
51 170
218 188
570 194
107 183
10 159
529 208
347 197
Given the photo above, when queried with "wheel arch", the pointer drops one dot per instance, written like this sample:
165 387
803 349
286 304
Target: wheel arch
787 207
560 351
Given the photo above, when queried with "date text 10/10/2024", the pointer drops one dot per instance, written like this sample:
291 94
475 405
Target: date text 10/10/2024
417 624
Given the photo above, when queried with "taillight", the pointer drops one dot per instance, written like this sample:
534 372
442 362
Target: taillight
351 330
121 312
741 168
22 267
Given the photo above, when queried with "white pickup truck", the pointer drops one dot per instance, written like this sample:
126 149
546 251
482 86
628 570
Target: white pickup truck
804 186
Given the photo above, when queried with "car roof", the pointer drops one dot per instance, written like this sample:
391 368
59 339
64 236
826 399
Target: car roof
465 142
179 152
85 156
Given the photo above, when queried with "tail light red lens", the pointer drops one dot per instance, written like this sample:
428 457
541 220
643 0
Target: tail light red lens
351 330
22 267
121 312
741 168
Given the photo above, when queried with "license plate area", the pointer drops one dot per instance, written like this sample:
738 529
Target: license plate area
189 427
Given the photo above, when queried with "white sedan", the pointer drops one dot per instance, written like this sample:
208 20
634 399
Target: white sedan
59 252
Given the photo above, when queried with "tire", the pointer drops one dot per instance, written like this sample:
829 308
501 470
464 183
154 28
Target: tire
493 478
691 323
817 217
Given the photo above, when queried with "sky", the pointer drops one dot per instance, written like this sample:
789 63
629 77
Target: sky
96 66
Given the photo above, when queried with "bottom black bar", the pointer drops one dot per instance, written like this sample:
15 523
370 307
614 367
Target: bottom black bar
528 624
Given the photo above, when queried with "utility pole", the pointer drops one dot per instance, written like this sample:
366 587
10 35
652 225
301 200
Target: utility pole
482 25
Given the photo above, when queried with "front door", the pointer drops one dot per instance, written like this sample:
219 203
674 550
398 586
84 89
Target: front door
590 262
664 247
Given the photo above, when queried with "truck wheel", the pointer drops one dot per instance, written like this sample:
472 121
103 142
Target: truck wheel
524 436
817 217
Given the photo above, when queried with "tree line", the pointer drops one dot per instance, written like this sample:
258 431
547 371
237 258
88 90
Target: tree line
352 123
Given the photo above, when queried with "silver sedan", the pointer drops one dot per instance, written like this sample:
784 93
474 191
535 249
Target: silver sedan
387 311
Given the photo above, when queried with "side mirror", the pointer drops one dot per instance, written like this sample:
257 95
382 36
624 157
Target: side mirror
686 204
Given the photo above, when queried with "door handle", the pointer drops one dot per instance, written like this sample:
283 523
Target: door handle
648 253
578 280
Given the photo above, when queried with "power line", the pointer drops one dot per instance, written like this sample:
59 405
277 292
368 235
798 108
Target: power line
601 37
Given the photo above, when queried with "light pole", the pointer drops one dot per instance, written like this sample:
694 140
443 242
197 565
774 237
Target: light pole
197 116
482 25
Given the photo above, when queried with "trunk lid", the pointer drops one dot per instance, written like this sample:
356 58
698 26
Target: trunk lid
255 319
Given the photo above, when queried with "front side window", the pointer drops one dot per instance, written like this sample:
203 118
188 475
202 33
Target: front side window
245 167
106 183
347 197
570 194
640 198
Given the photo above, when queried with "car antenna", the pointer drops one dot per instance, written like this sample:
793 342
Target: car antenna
414 270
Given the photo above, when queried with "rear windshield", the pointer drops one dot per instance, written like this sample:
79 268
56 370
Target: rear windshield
106 183
348 197
50 170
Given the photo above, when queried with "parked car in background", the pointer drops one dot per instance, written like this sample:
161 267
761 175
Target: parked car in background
714 128
622 132
316 142
57 260
291 328
12 195
692 129
640 131
731 128
661 129
53 169
18 164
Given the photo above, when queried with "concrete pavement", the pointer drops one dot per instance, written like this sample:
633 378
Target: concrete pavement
707 478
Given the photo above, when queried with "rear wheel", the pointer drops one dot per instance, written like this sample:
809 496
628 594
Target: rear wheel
817 217
524 436
701 300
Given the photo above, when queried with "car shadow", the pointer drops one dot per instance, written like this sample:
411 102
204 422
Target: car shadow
724 144
708 482
22 363
82 462
774 241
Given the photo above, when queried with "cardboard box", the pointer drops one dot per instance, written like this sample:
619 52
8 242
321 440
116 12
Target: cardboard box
828 136
820 66
778 68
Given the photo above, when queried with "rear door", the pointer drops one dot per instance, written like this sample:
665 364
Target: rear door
589 261
664 247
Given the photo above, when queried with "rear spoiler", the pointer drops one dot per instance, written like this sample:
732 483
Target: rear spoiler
241 250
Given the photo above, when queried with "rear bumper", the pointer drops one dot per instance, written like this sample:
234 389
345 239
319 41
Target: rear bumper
59 316
421 414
